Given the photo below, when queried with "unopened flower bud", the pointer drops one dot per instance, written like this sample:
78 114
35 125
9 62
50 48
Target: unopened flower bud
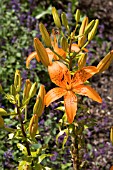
33 89
33 125
93 31
45 35
26 89
82 39
39 105
89 27
1 89
17 81
1 122
41 52
56 17
64 43
111 135
105 62
12 90
64 20
77 15
82 60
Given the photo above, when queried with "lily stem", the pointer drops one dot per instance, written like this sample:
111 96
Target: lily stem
23 131
75 150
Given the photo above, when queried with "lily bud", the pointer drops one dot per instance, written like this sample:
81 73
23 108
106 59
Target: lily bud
17 81
3 112
41 52
39 105
45 35
33 89
12 90
1 122
89 27
33 125
64 43
81 40
64 20
77 15
82 60
56 17
26 89
93 31
111 134
1 89
105 62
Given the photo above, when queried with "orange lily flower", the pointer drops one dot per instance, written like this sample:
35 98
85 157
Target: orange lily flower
69 87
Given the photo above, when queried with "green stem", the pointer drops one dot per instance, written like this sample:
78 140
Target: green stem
25 113
75 149
23 131
59 56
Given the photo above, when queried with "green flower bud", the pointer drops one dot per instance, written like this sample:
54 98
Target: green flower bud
82 39
82 60
89 27
45 35
12 90
105 62
64 43
77 15
1 89
93 31
56 17
39 105
33 89
41 52
111 135
26 89
33 125
17 81
1 122
64 20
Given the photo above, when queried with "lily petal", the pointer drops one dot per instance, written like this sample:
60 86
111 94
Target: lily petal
54 94
30 57
50 54
60 51
87 91
70 103
60 74
76 48
82 75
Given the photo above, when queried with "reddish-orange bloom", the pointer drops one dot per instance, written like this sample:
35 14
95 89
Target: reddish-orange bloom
69 87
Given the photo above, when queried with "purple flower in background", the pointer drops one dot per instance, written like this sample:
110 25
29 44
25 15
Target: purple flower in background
54 157
41 122
33 64
15 4
69 13
104 105
8 154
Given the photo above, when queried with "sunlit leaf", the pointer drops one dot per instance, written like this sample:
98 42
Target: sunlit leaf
22 148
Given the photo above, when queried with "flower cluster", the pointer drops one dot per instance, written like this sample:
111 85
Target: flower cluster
66 63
